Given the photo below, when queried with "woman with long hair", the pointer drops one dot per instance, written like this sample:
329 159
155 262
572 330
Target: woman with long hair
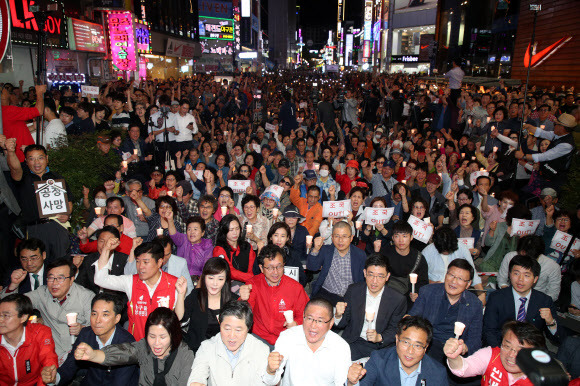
203 305
281 235
230 245
163 358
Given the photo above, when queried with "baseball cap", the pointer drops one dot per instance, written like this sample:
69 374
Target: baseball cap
284 163
352 164
548 192
389 164
309 175
434 178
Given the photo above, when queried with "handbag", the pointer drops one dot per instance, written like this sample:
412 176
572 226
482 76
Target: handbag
401 284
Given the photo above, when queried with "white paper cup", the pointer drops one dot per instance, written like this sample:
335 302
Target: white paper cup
225 133
427 220
71 318
224 210
170 193
309 240
289 315
358 225
404 181
413 278
135 151
369 315
159 231
458 330
98 211
248 228
139 212
275 212
124 164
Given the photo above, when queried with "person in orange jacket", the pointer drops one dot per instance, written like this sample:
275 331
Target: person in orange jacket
27 355
309 207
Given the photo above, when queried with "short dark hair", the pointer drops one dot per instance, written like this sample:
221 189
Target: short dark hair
31 244
62 262
86 107
532 245
152 247
115 216
164 241
378 260
23 304
195 220
462 264
445 240
119 97
517 211
314 188
34 147
209 199
525 332
526 262
50 104
402 227
270 252
227 189
321 302
251 198
163 316
467 192
240 310
474 214
115 198
108 229
169 201
417 322
110 297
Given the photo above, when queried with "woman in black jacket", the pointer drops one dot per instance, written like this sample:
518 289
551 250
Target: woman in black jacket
203 305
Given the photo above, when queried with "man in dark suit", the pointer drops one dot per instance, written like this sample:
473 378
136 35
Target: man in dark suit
106 311
371 311
520 302
107 238
32 254
340 264
404 364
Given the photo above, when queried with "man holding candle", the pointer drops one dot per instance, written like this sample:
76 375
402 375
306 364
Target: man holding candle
309 207
443 304
371 311
277 301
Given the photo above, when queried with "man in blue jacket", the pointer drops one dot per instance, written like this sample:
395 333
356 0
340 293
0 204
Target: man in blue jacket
404 364
106 311
341 264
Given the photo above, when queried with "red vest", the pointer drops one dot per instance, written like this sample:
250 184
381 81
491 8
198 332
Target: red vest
141 305
496 374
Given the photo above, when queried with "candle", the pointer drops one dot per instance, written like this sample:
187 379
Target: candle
488 119
492 128
139 212
404 181
542 127
224 210
289 316
469 121
404 163
159 231
370 316
98 211
495 149
170 193
358 224
249 228
413 280
317 167
473 158
481 169
308 241
458 330
124 164
462 155
135 151
225 133
71 318
275 212
427 220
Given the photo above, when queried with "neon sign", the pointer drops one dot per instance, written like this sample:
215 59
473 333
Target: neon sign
122 40
142 37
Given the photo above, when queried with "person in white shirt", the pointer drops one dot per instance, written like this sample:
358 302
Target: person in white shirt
32 254
310 354
185 126
54 132
162 126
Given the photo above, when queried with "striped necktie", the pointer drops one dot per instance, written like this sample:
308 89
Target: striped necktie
522 310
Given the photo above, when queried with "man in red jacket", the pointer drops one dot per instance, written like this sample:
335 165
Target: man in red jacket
277 300
116 220
27 355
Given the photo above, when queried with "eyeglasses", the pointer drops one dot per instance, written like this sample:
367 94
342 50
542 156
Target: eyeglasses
32 259
6 315
58 279
287 183
311 320
509 349
224 196
405 344
373 276
276 268
453 277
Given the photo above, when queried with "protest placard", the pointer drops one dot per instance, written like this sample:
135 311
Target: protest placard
524 227
421 230
336 209
469 242
51 198
374 216
239 186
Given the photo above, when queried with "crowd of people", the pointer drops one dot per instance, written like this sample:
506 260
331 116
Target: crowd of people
209 255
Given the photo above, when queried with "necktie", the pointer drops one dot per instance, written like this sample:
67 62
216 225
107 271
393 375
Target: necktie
36 282
522 310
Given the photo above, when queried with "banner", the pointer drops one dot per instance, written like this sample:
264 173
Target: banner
336 209
90 91
561 240
469 242
524 227
239 186
291 272
421 230
374 216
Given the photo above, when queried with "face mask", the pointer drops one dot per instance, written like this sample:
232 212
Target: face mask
323 173
100 202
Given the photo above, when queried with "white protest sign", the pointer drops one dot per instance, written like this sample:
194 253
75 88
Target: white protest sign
336 209
469 242
276 190
561 240
291 272
198 174
524 227
374 216
270 127
256 148
51 197
303 105
421 230
90 91
473 177
239 186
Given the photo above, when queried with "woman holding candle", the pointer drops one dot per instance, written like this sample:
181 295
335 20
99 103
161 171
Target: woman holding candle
256 224
165 210
191 246
231 246
270 207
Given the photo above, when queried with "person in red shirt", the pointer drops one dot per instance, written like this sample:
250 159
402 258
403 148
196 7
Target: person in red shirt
14 119
235 249
126 242
274 297
27 355
348 180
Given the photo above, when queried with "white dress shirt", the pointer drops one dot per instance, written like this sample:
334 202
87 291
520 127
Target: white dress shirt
40 278
181 123
123 283
328 365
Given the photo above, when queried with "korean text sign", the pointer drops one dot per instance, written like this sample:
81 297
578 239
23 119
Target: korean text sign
122 40
51 198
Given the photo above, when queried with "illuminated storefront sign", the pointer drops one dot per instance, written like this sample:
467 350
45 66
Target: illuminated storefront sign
214 28
142 37
25 26
122 40
404 58
86 36
65 78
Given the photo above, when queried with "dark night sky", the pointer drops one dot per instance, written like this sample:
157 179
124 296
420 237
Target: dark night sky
323 12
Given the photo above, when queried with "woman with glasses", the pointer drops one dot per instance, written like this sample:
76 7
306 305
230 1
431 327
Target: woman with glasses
231 246
255 224
165 211
162 356
269 202
203 305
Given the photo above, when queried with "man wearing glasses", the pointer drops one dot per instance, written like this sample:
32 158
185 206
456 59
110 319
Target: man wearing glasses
134 199
406 363
496 364
371 311
310 354
32 275
59 297
274 296
445 303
